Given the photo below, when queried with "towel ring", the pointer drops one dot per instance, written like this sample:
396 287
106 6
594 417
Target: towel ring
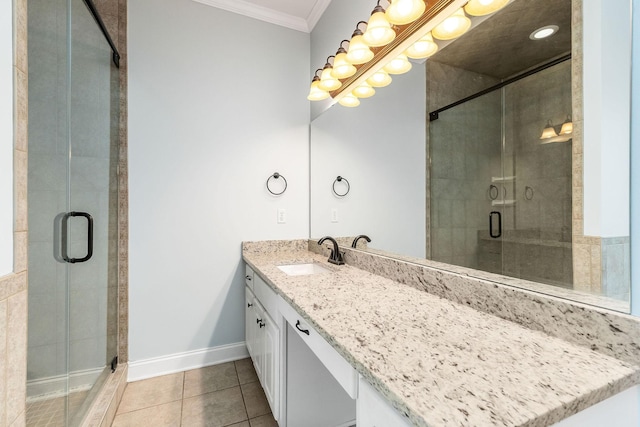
493 192
528 193
276 175
340 179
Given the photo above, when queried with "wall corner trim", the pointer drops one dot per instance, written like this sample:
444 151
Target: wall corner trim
178 362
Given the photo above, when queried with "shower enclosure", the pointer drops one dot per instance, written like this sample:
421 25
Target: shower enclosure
72 199
501 195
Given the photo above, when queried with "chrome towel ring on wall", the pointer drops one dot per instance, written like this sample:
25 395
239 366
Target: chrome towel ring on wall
276 176
340 179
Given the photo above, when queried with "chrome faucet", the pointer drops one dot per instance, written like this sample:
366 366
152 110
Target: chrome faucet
362 236
336 256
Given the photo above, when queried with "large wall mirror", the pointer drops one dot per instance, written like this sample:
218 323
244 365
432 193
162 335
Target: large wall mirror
502 156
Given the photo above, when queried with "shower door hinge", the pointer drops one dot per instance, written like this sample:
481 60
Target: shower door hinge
114 364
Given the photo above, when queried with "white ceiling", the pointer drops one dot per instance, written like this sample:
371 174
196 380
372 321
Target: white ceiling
301 15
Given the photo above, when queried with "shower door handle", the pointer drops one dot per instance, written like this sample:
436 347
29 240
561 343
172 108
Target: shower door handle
499 215
65 235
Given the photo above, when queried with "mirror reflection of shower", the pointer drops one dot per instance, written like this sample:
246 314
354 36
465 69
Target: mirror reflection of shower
500 198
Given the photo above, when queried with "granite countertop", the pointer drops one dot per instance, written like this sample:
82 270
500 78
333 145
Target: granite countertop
439 362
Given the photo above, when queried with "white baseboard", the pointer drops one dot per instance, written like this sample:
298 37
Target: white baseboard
178 362
45 388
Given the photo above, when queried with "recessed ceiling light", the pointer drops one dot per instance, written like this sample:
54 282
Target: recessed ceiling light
544 32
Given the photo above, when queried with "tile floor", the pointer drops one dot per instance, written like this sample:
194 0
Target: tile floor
51 412
228 394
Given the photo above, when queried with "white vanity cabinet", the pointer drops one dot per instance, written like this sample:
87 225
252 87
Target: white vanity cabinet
263 337
321 386
373 410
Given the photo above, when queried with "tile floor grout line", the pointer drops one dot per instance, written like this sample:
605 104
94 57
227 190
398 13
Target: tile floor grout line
184 380
148 407
244 403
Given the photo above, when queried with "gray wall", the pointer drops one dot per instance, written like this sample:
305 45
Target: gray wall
380 148
209 122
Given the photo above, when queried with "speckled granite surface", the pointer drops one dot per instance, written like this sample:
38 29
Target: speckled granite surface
607 332
440 362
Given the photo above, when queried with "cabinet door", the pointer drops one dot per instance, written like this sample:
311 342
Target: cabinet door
374 411
250 321
248 277
271 373
258 342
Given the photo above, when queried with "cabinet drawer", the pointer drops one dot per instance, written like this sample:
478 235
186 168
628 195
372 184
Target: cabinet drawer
267 296
248 276
341 370
373 410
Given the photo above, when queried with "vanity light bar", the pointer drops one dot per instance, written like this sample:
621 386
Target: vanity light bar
406 35
436 11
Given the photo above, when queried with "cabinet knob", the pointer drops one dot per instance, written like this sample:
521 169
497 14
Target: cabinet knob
258 320
262 324
247 277
249 305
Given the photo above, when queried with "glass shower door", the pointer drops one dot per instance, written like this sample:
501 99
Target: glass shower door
73 148
92 224
501 196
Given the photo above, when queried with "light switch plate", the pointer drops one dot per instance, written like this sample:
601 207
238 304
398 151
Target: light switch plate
334 215
282 216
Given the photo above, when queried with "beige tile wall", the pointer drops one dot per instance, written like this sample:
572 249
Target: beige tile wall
13 287
587 250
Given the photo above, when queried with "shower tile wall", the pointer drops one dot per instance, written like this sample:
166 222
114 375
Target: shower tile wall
464 146
538 231
47 190
616 267
468 155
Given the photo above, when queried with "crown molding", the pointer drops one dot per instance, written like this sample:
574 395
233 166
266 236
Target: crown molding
316 13
265 14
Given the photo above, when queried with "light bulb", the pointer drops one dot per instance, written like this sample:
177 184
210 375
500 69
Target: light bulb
364 91
423 48
342 68
327 81
452 27
548 131
379 79
359 51
349 100
399 65
401 12
379 31
484 7
567 127
315 93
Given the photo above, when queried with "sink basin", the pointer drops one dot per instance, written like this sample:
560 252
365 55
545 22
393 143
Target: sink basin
303 269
